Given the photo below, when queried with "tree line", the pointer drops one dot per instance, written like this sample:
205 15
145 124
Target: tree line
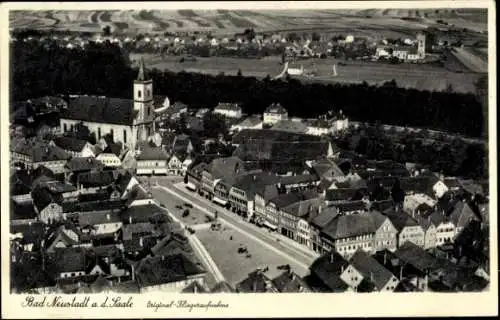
104 69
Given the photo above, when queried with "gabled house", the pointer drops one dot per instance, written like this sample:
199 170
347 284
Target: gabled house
74 146
250 123
170 273
47 205
462 215
274 113
152 161
68 263
408 228
229 110
62 238
34 154
325 273
77 165
445 228
290 282
100 224
256 282
365 274
111 155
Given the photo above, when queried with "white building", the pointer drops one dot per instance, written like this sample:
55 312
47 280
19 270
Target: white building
230 110
274 113
127 120
152 161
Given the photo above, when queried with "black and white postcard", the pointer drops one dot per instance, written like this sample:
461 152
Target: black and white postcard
248 159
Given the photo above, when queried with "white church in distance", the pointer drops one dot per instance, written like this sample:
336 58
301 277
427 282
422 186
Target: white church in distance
129 121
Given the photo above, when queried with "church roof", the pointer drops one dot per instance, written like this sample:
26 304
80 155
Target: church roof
101 110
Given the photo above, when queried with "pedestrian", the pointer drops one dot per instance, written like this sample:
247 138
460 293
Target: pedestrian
230 237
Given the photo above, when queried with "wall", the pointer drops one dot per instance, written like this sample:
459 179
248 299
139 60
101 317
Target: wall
385 237
346 247
271 118
351 277
109 160
413 234
445 231
53 211
131 131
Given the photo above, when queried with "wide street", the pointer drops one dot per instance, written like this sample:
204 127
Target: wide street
171 190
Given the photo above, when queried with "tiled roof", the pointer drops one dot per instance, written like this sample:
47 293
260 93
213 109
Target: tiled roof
101 110
417 257
69 259
20 182
59 187
287 199
21 211
463 214
151 153
345 226
421 184
174 243
113 148
70 143
328 269
400 219
325 217
42 198
96 178
88 206
256 183
290 282
40 151
140 213
370 269
343 194
298 179
256 281
250 122
83 164
165 269
307 209
130 231
98 217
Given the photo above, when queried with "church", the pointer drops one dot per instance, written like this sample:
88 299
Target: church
128 121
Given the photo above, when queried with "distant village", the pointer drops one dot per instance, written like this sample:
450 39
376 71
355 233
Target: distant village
83 218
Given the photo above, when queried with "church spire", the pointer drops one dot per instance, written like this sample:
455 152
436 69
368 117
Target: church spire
141 75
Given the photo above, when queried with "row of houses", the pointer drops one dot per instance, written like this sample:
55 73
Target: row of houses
105 233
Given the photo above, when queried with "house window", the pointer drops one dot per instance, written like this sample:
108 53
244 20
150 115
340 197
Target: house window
112 134
124 136
148 93
65 127
98 133
139 93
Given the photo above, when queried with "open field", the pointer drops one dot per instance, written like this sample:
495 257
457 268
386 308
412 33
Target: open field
423 77
235 266
471 60
388 22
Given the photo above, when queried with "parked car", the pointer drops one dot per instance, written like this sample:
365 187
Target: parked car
189 205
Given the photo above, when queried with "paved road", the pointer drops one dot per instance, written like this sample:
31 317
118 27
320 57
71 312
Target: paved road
300 256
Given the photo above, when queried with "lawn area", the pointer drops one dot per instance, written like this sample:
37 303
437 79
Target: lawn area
235 266
195 216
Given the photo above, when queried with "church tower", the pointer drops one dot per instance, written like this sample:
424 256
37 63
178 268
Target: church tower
143 103
421 45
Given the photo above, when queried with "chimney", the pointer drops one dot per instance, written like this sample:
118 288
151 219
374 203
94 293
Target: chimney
108 216
130 219
342 269
331 257
385 258
195 288
401 273
371 276
141 243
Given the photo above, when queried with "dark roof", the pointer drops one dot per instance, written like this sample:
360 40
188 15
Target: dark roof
228 106
298 179
165 269
400 219
370 269
123 180
100 109
113 148
40 151
420 184
349 206
381 205
325 217
174 243
328 269
275 108
340 194
69 259
252 183
31 232
226 167
42 198
87 206
344 226
256 281
151 153
284 200
84 164
289 281
59 187
133 230
140 213
70 143
96 178
417 257
24 210
20 182
463 214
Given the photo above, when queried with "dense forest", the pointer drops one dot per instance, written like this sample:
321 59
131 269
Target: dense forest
104 69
